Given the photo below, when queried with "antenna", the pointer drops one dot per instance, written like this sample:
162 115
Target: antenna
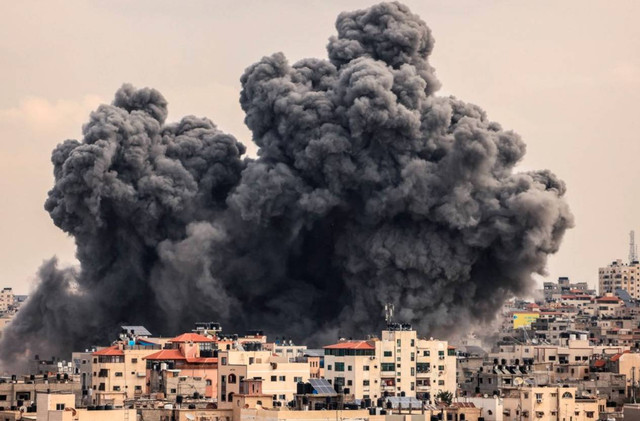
388 312
633 249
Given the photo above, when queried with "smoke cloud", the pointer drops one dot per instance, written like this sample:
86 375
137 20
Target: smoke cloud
368 188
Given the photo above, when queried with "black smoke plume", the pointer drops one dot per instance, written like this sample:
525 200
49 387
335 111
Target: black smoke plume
368 188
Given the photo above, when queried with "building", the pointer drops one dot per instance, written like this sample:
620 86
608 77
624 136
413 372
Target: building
397 364
60 407
187 367
119 372
549 403
7 300
16 393
280 376
620 275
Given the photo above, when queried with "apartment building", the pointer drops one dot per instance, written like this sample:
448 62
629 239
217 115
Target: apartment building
119 371
397 364
185 367
620 275
549 403
279 375
7 300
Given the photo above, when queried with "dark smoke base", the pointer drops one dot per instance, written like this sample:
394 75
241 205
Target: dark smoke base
368 189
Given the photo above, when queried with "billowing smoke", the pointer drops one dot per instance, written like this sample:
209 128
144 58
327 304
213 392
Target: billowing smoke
368 188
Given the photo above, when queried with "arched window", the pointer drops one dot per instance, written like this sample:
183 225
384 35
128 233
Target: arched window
208 382
232 378
567 395
230 396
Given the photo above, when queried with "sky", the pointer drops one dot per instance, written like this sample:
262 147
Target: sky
564 75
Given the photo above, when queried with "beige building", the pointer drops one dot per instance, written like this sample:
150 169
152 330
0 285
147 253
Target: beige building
279 375
397 364
620 275
119 372
549 404
7 300
60 407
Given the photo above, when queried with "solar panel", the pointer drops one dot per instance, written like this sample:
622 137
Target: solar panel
322 387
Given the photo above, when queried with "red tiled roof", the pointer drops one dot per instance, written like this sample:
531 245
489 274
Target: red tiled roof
351 345
111 351
608 299
191 337
202 360
617 356
451 347
600 363
166 354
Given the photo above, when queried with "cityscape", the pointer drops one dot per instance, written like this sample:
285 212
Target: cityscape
346 240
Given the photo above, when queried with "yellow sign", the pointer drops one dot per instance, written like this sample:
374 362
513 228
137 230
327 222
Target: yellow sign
524 319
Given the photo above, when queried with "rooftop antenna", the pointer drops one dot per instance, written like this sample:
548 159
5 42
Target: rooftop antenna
388 313
633 248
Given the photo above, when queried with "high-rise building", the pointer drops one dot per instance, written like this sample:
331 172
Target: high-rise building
620 275
397 364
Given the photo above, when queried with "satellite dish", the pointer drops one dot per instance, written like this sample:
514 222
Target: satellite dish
518 381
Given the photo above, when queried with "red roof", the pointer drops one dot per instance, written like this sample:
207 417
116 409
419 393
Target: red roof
191 337
617 356
533 305
600 363
608 299
166 354
351 345
111 351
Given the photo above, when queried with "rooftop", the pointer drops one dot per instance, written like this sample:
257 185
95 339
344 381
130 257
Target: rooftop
351 345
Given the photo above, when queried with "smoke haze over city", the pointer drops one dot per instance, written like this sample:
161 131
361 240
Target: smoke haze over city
369 187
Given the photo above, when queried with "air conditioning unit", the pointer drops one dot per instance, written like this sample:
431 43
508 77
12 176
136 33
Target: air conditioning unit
372 358
539 400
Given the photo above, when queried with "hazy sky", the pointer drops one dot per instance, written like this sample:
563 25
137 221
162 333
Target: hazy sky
564 75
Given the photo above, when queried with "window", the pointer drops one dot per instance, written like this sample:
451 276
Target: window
387 367
223 360
349 383
118 374
282 378
426 353
440 382
590 414
365 382
208 383
398 343
138 388
297 379
413 371
365 368
413 342
282 397
567 395
274 378
134 360
441 368
339 367
388 354
232 378
3 397
349 368
413 356
539 396
59 407
116 388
